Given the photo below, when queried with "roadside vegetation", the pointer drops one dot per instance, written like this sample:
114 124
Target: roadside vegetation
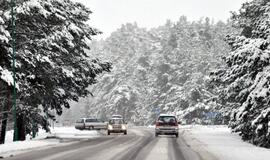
52 67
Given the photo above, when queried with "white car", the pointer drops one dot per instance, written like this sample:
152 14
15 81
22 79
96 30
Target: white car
117 125
90 123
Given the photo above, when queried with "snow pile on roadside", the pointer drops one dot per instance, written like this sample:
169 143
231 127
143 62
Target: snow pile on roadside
14 147
43 139
71 132
11 147
223 144
151 126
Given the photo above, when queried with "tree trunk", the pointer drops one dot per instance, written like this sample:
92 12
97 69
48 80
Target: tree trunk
1 118
4 119
3 128
21 127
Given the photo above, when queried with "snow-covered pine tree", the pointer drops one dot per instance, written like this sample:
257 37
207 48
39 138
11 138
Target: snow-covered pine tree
166 67
247 75
189 52
51 62
5 74
4 47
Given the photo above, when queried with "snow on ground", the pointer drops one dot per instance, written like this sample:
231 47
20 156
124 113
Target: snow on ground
43 139
223 144
71 132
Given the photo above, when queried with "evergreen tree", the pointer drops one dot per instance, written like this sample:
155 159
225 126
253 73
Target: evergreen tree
5 74
166 68
52 67
246 75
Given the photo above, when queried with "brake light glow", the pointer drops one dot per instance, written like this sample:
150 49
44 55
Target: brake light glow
158 124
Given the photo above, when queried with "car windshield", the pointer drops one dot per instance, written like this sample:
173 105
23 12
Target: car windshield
91 120
116 121
167 119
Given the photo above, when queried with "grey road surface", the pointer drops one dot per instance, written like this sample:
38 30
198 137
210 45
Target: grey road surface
138 144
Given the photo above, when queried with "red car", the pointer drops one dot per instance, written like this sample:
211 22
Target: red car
166 125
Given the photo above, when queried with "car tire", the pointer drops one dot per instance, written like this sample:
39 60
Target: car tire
109 132
125 132
156 135
176 135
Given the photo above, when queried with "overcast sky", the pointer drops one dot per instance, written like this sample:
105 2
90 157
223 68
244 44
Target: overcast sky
108 15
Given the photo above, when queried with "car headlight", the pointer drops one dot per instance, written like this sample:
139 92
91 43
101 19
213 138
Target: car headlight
124 127
110 127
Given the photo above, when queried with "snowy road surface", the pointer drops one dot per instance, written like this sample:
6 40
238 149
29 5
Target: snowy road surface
139 144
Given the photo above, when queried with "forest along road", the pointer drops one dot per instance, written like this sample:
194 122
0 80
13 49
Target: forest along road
138 144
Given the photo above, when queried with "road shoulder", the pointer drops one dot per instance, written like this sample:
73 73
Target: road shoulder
218 142
197 146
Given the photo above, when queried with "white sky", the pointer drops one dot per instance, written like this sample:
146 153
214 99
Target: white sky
108 15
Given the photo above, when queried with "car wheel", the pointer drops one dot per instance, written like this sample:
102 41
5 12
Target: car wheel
125 132
176 134
109 133
156 135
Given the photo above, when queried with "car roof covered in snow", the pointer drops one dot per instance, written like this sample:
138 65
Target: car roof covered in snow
117 115
89 118
116 118
167 115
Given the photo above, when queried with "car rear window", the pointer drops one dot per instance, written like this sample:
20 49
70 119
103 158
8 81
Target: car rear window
116 121
167 119
91 120
79 121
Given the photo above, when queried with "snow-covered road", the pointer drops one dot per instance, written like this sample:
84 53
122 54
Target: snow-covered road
194 143
139 144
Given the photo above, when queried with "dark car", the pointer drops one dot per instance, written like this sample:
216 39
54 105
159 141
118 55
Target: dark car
166 125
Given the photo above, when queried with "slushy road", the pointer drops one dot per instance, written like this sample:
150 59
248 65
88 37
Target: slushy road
139 144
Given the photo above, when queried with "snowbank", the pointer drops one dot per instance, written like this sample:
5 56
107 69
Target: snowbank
17 147
43 139
71 132
223 144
